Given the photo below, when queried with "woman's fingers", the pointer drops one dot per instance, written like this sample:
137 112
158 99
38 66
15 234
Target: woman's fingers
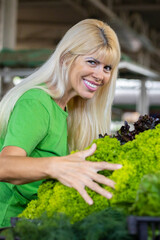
98 189
99 166
88 152
85 195
102 180
78 173
93 184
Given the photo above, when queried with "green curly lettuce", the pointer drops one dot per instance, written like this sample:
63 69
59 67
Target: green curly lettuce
147 201
138 157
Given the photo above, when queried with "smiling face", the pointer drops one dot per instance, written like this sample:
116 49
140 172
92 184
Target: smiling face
87 74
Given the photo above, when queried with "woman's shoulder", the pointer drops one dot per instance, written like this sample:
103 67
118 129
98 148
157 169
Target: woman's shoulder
35 97
38 94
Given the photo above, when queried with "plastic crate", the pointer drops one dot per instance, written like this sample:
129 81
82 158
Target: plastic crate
14 220
144 228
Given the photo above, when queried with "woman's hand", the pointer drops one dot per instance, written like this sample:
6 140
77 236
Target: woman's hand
74 171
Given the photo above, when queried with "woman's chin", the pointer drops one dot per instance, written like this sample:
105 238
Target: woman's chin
87 96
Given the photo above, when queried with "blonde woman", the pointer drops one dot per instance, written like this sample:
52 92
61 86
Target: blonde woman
62 106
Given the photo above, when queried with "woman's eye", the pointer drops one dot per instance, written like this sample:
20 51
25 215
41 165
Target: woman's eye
108 68
92 62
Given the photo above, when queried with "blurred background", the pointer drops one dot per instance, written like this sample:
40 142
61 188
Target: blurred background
31 29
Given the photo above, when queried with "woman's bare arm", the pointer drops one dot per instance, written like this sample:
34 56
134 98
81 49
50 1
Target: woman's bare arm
17 168
71 170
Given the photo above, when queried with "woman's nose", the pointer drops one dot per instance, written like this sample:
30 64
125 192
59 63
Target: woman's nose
98 74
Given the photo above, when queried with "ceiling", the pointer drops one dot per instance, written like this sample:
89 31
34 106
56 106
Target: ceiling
42 23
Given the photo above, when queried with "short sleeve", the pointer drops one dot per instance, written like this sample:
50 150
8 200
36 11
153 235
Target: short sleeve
28 125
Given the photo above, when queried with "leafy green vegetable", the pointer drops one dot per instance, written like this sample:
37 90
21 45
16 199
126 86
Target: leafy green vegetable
108 224
7 234
56 228
147 201
54 196
138 157
144 123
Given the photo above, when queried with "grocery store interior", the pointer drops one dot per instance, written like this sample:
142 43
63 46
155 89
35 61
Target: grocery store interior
31 29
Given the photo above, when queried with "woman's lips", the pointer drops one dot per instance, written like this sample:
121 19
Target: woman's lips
90 85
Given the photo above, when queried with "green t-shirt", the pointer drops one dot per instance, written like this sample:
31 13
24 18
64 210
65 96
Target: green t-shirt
39 126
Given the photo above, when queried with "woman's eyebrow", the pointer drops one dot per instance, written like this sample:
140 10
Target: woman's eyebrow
97 61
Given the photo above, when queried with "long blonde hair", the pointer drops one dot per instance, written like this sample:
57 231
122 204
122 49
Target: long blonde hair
87 118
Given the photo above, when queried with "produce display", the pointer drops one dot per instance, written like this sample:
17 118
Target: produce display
107 224
124 134
139 153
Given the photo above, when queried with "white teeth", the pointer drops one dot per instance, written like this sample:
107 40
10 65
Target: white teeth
90 84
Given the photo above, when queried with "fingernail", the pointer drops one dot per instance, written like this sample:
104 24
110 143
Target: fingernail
90 202
119 166
109 195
